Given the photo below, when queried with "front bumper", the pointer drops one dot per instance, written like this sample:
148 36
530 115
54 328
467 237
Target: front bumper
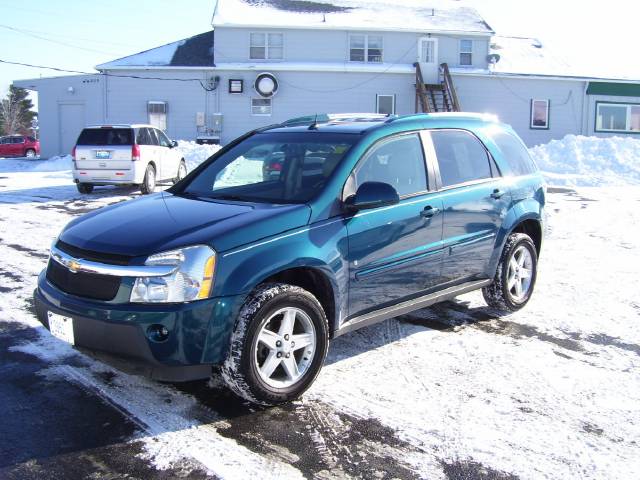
199 332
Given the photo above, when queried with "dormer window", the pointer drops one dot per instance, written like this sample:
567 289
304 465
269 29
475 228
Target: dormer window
365 48
466 53
266 46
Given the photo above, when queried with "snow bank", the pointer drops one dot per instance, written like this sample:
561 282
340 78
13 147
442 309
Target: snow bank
195 154
590 161
54 164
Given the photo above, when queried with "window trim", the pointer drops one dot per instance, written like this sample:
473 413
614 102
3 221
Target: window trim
266 58
460 52
548 123
261 114
392 95
626 104
436 164
431 186
366 47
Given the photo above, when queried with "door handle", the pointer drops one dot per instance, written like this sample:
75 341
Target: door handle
429 212
497 193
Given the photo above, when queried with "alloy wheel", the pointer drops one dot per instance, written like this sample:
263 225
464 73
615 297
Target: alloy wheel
285 347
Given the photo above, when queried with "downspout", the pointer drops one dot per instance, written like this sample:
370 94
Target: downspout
585 111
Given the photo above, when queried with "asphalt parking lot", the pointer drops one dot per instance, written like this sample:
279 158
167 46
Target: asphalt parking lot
454 391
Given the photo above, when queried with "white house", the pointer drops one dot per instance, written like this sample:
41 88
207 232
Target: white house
266 61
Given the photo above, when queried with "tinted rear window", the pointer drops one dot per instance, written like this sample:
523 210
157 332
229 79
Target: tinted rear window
515 153
105 136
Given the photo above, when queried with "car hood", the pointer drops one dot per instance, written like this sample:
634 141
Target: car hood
164 221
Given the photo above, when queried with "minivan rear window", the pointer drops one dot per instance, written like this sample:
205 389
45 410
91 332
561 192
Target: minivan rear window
106 136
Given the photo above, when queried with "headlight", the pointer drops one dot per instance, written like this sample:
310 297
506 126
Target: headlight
192 279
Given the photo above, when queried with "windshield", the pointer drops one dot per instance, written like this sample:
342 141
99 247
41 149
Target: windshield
105 136
273 167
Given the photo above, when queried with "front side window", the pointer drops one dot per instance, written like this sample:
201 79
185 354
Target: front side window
365 48
266 46
539 114
461 157
466 53
260 106
398 161
273 167
617 117
163 141
17 140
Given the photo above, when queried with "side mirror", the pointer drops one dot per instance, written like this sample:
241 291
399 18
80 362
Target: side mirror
372 195
174 143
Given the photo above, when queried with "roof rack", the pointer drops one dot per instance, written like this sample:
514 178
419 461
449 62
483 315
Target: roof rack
336 118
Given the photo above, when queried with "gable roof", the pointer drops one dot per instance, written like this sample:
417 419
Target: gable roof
400 15
196 51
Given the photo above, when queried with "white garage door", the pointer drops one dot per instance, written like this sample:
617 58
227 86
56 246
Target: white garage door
71 117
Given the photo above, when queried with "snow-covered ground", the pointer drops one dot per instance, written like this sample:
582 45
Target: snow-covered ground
551 392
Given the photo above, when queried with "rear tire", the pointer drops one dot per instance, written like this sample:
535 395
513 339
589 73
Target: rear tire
30 153
149 182
516 275
182 172
84 187
264 365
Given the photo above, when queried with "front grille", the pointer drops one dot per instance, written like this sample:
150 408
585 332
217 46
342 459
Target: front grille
81 284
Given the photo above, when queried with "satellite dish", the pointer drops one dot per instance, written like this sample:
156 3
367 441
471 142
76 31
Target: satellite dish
266 85
493 58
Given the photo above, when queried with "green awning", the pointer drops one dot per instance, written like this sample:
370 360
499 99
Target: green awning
614 89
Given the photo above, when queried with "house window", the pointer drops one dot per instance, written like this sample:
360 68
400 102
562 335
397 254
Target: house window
386 104
365 48
618 117
266 46
466 53
157 114
539 115
260 106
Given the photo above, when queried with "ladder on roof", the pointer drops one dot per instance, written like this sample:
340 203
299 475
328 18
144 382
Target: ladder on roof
436 97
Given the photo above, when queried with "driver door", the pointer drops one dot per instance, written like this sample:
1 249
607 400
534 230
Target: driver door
394 252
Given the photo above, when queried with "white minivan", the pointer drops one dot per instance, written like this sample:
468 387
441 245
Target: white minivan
125 155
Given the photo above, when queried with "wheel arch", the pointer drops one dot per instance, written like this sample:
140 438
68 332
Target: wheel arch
314 280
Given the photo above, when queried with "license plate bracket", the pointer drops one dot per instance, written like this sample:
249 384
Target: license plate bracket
61 327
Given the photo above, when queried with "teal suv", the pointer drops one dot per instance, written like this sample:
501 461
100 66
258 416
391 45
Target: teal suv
293 235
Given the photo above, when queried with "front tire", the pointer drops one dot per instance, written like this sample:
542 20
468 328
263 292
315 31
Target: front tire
149 182
30 153
278 345
182 172
84 188
516 275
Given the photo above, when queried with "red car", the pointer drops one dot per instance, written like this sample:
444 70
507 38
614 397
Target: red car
19 146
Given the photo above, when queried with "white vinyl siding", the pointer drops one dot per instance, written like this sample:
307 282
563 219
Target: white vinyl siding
466 53
266 46
618 117
365 48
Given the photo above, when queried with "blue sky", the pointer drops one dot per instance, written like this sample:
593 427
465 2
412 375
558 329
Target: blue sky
79 34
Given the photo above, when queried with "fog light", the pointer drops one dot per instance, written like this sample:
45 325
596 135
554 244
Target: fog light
158 333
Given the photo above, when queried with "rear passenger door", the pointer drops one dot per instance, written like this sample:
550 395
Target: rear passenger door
394 252
475 200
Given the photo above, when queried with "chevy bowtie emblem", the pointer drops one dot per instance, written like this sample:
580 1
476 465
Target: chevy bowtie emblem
74 266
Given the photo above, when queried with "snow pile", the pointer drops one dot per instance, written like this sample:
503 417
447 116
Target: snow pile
195 154
590 161
54 164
